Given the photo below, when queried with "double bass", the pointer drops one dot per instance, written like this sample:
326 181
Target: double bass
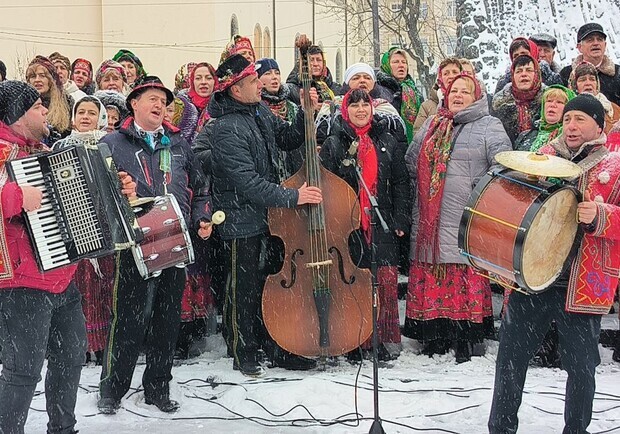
320 303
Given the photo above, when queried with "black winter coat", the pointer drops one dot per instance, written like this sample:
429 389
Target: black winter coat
133 155
393 190
244 156
294 84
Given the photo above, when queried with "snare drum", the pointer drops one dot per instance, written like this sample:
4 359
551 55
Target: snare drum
520 228
166 240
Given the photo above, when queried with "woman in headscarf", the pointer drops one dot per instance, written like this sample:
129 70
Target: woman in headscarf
82 75
522 46
111 76
381 160
584 79
448 302
94 277
239 45
322 79
549 126
449 68
517 105
202 83
394 75
41 74
132 64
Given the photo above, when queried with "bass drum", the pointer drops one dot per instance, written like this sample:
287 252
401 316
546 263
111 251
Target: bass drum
166 240
520 228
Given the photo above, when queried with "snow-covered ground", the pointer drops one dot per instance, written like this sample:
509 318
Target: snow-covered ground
434 395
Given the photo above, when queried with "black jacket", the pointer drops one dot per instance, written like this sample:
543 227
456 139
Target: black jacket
393 188
294 84
245 138
133 155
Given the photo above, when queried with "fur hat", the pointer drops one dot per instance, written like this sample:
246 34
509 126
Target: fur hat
2 71
16 98
112 99
589 105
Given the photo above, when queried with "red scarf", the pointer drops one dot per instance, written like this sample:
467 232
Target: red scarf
523 98
432 167
200 102
368 162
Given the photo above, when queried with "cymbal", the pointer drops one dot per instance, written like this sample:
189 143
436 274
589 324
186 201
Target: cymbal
535 163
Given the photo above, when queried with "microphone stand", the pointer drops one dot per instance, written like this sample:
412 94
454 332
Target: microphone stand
376 427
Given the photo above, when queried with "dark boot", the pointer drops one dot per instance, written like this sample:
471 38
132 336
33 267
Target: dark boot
293 362
462 351
164 404
616 355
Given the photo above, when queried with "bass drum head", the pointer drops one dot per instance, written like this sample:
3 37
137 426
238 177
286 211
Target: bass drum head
549 240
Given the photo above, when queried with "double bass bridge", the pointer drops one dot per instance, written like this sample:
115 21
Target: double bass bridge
319 264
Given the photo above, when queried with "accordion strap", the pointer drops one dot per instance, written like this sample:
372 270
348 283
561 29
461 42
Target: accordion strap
8 151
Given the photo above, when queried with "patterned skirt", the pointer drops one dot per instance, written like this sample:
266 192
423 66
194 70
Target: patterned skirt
95 281
198 300
448 300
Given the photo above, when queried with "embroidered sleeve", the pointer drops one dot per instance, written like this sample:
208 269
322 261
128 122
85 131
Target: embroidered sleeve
607 222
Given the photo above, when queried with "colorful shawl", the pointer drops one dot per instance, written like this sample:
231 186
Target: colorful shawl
411 97
523 98
432 167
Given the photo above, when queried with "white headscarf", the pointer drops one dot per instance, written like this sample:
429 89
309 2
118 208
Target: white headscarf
102 122
358 68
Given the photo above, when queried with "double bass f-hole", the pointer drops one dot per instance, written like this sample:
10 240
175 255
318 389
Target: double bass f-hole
293 269
351 279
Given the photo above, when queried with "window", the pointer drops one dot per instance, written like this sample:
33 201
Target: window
450 46
451 9
266 43
339 66
423 10
258 40
425 45
395 42
395 8
234 25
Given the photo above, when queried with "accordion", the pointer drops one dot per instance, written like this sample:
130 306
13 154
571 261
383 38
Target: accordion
83 213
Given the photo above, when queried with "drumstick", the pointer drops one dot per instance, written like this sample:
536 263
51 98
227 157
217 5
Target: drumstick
217 218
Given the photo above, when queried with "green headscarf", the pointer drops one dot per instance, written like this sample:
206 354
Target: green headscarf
411 97
548 132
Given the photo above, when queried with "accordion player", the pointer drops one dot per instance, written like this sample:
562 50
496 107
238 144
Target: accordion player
83 213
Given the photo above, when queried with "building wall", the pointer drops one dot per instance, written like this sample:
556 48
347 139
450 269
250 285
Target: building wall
165 34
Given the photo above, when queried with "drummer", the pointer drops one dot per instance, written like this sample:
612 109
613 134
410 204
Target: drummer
581 295
161 161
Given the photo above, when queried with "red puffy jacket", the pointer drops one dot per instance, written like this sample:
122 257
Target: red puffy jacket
26 274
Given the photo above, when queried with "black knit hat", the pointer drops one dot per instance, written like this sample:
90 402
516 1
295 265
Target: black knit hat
16 98
148 82
589 105
589 28
2 71
265 65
